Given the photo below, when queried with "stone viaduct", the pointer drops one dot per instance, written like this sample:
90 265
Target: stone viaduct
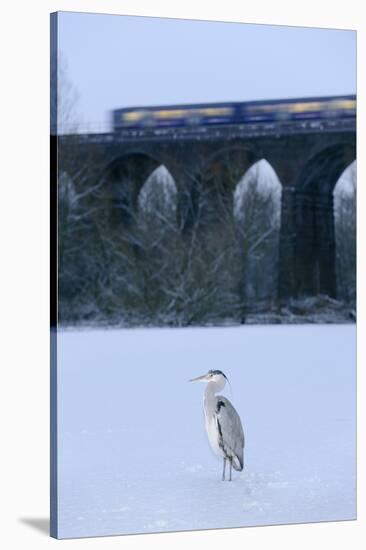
308 158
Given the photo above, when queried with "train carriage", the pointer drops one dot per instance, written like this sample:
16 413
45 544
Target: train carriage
211 114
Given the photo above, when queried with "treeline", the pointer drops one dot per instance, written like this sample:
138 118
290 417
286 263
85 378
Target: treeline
138 264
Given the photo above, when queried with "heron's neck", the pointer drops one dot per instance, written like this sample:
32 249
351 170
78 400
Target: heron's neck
209 398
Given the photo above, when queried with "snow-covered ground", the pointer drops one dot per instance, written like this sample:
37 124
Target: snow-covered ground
133 453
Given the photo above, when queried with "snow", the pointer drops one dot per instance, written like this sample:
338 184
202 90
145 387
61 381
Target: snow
133 453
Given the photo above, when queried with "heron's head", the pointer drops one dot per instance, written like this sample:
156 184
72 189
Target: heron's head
215 376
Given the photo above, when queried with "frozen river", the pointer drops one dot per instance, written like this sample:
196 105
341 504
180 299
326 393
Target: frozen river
133 453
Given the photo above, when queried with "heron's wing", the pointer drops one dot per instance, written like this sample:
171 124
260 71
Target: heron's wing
230 430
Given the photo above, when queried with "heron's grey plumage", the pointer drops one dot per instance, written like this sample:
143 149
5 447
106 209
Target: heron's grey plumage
223 424
230 432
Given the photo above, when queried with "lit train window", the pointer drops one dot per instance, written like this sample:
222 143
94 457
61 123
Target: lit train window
132 116
306 107
342 104
216 111
272 108
169 113
180 113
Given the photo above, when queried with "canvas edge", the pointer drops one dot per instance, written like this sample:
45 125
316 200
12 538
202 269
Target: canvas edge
53 276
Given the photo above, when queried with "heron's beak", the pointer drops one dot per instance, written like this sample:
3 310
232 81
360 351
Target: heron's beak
199 378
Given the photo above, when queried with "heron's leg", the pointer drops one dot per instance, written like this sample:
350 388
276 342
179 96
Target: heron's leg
223 471
231 467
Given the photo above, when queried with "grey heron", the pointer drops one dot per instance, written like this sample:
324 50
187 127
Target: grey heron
223 424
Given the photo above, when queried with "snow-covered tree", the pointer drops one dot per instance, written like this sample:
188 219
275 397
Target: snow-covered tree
345 233
257 210
157 201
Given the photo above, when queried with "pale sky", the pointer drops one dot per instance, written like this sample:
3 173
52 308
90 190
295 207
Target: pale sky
119 61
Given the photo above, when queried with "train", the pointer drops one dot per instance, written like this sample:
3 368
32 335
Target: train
248 112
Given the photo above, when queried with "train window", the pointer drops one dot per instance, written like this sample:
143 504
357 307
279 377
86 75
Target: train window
306 107
132 116
342 104
168 113
216 111
268 108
